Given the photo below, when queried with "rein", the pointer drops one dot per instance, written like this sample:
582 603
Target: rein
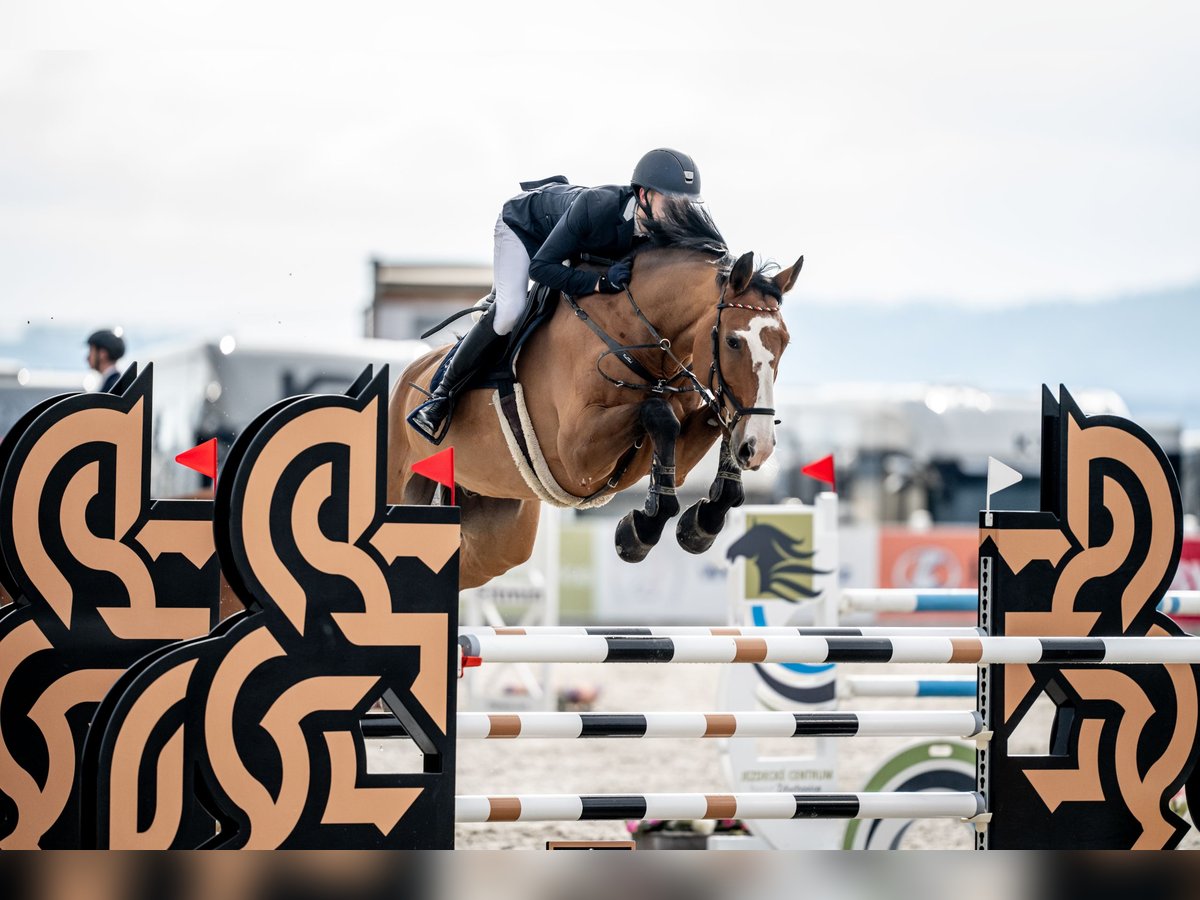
714 399
650 383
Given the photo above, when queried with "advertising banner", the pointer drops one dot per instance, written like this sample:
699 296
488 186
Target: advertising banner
941 557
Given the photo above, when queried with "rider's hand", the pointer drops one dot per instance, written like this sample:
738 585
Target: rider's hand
616 279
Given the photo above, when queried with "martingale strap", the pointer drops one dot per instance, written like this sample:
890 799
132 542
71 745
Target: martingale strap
624 352
715 397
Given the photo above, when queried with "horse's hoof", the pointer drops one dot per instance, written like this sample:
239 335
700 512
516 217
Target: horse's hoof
691 534
630 547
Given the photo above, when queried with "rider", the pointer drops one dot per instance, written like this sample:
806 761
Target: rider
551 222
104 349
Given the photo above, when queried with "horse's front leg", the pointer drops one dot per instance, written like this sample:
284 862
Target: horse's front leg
641 529
703 520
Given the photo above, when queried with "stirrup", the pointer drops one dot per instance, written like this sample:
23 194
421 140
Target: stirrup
433 437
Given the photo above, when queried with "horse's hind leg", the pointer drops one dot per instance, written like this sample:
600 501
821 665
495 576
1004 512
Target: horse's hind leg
703 520
497 535
640 530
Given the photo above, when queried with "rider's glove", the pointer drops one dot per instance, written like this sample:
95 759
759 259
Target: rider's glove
616 279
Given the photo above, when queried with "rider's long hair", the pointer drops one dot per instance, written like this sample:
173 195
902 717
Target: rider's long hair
683 225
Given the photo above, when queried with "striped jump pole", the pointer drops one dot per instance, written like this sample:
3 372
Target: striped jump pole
1181 603
626 807
907 686
947 724
669 631
926 650
900 600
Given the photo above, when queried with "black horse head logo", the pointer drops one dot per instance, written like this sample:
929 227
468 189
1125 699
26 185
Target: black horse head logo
785 569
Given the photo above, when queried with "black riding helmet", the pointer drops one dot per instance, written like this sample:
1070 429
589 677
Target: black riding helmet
108 341
668 172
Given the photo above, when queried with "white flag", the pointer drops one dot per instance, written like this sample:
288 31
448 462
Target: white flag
1000 476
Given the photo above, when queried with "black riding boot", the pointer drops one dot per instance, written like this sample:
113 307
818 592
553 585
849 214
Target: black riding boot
428 418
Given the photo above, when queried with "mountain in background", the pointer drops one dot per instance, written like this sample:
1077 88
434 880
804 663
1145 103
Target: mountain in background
1144 346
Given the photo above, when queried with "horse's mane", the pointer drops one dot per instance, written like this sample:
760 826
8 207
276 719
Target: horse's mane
682 225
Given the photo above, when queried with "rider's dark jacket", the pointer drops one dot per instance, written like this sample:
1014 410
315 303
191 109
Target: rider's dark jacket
557 221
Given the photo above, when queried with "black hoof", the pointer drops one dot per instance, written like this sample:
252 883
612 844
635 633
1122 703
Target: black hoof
691 534
630 547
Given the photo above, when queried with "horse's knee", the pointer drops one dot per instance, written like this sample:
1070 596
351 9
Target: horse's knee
660 422
662 427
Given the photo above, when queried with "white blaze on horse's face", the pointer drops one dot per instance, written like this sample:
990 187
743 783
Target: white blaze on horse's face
753 439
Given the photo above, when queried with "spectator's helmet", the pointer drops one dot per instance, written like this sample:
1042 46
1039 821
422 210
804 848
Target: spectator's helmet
108 341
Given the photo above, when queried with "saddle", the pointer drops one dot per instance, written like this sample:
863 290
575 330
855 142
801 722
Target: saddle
538 309
509 403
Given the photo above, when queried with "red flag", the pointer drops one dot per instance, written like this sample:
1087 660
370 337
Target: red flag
821 469
439 468
202 458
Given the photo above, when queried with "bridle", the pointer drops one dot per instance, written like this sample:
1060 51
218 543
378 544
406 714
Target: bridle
715 396
722 393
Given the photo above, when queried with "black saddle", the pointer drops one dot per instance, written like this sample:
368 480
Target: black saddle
502 372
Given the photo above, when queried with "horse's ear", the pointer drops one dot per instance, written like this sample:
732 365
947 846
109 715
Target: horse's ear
741 273
786 279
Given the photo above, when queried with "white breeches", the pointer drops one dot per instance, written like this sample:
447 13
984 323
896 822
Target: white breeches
510 269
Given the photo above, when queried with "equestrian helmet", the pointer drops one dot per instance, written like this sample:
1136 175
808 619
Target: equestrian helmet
109 342
668 172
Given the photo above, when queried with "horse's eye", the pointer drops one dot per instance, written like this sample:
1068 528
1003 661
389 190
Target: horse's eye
732 342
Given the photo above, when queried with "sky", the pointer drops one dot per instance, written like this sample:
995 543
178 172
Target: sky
235 166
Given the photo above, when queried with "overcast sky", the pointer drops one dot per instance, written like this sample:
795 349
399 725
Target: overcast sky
237 165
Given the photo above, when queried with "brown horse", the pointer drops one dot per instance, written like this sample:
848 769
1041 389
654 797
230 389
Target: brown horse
600 426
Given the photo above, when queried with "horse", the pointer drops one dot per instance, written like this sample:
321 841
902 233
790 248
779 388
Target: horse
617 387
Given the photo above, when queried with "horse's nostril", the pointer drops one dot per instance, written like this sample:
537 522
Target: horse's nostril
746 451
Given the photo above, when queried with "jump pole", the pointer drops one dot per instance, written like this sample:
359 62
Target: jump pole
902 600
967 724
637 807
983 651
